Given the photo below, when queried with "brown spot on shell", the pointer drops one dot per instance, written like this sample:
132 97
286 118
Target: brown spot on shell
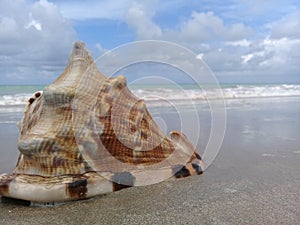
77 189
123 180
197 168
182 172
198 155
31 100
37 94
4 184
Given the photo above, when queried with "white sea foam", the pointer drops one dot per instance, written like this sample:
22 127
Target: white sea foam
183 93
14 99
231 92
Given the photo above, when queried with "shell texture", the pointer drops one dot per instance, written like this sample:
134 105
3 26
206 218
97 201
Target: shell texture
87 134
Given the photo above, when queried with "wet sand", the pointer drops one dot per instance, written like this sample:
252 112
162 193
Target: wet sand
254 180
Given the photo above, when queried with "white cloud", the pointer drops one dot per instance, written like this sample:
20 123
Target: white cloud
207 26
34 23
288 26
282 53
35 41
231 48
198 29
100 48
138 18
267 57
242 43
94 9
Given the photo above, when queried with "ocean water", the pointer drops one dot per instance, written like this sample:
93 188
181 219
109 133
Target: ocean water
254 112
14 96
13 99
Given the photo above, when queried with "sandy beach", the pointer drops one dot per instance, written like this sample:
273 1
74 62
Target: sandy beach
255 179
129 91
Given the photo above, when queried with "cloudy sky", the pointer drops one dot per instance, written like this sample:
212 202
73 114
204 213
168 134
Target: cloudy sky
240 40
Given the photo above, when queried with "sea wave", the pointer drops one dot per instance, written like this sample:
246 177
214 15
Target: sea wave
14 99
181 93
252 91
230 92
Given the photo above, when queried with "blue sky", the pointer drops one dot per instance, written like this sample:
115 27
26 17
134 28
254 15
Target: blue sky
240 40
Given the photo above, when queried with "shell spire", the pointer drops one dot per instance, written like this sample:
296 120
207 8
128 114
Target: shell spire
79 61
87 134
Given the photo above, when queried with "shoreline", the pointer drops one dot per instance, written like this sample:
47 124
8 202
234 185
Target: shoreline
255 179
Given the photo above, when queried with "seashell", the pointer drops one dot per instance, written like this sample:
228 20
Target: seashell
87 134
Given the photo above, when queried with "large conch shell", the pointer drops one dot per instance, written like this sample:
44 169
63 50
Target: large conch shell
86 135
